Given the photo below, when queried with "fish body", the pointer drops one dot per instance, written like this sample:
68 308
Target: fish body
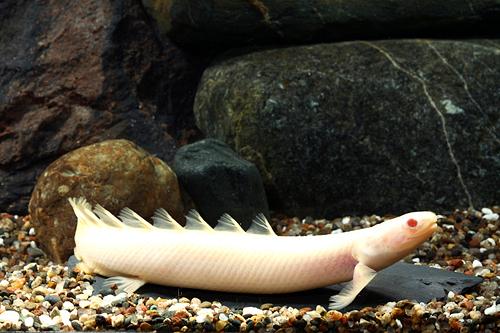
133 252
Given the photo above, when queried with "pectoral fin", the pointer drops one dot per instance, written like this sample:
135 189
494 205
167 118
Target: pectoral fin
361 277
126 284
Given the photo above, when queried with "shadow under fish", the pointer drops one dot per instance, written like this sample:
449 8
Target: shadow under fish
394 283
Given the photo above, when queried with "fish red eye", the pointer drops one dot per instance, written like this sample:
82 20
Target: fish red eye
412 223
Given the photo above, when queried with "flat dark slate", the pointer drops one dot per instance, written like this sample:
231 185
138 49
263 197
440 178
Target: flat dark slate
397 282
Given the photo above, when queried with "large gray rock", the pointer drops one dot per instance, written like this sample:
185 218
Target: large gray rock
219 181
223 23
363 127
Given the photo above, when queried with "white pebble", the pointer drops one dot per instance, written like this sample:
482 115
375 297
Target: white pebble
223 317
205 315
491 217
313 314
320 309
458 315
46 321
346 220
107 301
492 309
60 286
83 303
448 307
416 260
120 298
451 294
483 272
178 306
250 310
307 317
4 283
9 317
1 241
486 211
67 305
65 317
28 322
32 232
18 302
476 264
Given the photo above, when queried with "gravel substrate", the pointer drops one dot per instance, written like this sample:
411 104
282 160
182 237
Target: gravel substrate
38 295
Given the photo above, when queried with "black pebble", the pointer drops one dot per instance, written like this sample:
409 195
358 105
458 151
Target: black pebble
250 324
76 325
100 321
300 324
209 327
162 328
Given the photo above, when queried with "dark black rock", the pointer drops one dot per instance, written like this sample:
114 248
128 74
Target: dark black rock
219 181
205 24
363 127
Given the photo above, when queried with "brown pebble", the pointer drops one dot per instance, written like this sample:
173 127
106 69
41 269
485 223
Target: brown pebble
219 326
474 242
456 263
72 284
397 312
455 324
304 310
17 284
266 306
334 315
467 304
145 327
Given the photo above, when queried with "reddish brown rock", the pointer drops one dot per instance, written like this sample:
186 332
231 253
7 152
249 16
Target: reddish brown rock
115 174
77 72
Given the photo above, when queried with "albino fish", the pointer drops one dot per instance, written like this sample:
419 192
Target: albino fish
133 252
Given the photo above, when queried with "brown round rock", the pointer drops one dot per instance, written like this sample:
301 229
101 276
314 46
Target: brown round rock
115 174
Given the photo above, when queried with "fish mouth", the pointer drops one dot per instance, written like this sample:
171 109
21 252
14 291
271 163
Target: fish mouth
428 230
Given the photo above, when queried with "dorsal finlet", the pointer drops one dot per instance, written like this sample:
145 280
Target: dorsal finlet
261 226
84 213
132 219
106 217
163 220
194 221
227 223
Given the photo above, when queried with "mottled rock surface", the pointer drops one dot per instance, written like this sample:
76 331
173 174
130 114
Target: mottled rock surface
206 24
219 181
363 127
77 72
114 174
